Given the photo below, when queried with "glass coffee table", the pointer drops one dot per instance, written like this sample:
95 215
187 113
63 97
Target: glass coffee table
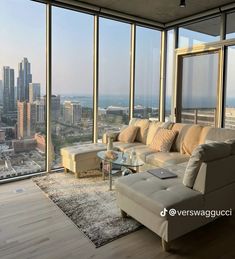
121 160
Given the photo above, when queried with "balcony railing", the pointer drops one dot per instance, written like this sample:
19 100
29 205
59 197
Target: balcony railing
203 116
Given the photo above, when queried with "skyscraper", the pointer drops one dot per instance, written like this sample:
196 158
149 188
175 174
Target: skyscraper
34 92
23 80
72 112
40 111
8 90
26 119
55 107
1 92
31 119
22 119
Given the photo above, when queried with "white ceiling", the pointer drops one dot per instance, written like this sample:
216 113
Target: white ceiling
162 11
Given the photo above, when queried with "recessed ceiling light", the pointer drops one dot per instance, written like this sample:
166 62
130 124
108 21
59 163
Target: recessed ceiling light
182 3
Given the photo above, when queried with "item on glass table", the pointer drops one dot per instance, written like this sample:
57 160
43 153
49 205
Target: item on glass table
110 154
132 156
110 143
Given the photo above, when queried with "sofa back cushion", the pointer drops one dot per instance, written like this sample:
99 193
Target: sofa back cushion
191 139
143 125
215 174
128 134
182 130
204 153
163 140
216 134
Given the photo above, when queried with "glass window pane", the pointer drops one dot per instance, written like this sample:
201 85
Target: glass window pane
147 73
72 79
199 88
114 75
169 114
22 83
230 26
230 89
200 32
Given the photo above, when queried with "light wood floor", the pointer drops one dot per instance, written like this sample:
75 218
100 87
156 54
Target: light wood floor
31 227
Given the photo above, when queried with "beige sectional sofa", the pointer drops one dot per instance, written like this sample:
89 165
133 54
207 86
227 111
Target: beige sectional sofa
206 178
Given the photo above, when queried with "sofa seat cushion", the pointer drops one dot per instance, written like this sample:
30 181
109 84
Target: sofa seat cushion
155 194
81 152
166 158
123 146
142 151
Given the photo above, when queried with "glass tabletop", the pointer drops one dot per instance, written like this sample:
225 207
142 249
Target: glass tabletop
122 159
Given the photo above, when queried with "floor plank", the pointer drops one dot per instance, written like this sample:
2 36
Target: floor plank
32 226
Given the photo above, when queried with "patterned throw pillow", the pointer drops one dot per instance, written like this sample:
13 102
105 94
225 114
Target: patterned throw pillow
128 134
163 140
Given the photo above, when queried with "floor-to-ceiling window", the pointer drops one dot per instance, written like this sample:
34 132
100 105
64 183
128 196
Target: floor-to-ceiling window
72 79
229 118
147 73
199 88
114 75
200 32
22 86
169 110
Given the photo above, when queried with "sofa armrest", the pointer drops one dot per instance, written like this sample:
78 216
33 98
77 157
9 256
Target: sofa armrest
113 135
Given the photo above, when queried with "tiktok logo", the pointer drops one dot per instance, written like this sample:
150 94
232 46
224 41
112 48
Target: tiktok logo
163 212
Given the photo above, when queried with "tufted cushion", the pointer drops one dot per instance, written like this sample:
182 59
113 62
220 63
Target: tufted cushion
163 140
204 153
128 134
155 194
191 139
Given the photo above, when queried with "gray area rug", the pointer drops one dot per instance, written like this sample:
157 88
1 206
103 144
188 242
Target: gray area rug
89 204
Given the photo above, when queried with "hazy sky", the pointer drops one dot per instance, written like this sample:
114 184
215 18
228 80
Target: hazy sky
23 31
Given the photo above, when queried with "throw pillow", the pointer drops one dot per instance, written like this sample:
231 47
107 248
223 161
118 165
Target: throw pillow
153 127
163 140
128 134
191 139
143 125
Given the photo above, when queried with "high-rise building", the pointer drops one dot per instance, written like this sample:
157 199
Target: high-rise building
8 90
23 80
21 119
26 121
34 92
31 119
1 92
40 111
55 107
72 112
